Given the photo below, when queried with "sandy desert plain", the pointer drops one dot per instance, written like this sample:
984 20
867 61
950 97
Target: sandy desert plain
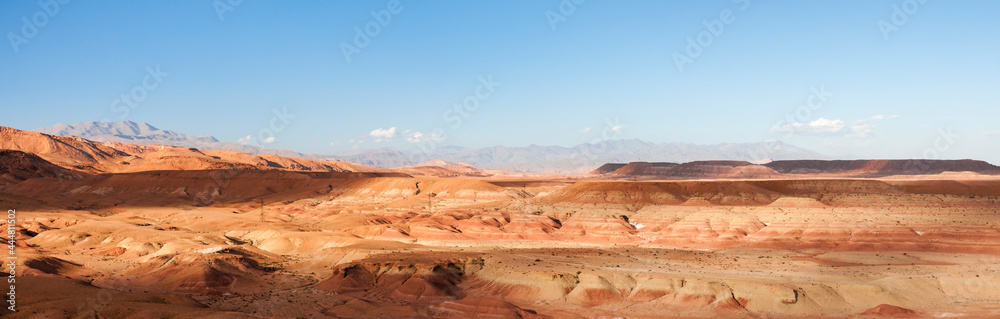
111 230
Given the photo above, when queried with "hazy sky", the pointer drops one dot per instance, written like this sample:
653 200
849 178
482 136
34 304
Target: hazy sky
885 79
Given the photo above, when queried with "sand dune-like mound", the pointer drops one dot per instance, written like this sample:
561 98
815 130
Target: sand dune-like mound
889 311
56 266
481 308
440 168
16 166
697 201
594 290
68 152
422 282
501 282
702 169
642 168
348 279
669 193
465 188
289 163
211 270
751 172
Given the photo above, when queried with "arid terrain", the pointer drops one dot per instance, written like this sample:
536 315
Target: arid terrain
113 230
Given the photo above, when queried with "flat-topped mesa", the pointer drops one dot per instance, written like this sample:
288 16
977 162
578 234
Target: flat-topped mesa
608 168
700 169
836 168
883 167
643 168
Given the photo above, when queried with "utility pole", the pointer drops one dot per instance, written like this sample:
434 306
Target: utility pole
261 209
430 202
524 200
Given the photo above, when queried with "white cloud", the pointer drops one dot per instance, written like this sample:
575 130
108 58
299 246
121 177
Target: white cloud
249 139
861 129
244 140
819 126
383 133
418 137
334 144
857 130
616 129
585 130
378 140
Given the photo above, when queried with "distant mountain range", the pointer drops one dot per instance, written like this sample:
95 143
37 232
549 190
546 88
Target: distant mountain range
793 168
584 158
124 132
578 159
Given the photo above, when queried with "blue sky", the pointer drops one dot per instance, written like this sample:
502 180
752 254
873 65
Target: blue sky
926 88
